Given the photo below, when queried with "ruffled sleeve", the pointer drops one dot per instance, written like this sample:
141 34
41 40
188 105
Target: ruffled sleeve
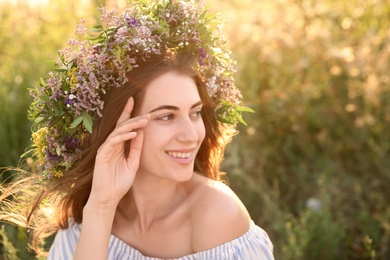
255 244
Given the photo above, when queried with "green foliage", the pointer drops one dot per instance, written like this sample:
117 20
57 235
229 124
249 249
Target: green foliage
23 55
9 252
315 72
29 38
230 113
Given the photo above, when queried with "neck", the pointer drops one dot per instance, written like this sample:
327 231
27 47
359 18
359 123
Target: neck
149 200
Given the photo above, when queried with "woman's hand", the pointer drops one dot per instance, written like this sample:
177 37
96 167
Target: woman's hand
113 176
114 173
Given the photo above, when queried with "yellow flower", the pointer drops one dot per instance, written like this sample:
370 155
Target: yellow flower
118 53
72 77
58 174
39 139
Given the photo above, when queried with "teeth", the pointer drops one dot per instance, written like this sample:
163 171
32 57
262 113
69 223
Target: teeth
180 155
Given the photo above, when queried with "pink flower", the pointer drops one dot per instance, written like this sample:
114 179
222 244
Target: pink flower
144 32
121 31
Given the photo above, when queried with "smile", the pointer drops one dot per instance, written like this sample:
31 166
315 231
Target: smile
180 155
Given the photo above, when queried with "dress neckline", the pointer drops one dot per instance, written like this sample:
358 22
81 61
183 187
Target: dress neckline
117 243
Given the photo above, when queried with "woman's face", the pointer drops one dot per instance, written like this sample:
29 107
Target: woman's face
175 131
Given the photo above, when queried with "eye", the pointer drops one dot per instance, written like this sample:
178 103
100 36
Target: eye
197 114
166 117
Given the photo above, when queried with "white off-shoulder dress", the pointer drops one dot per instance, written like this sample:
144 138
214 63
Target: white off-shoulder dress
254 244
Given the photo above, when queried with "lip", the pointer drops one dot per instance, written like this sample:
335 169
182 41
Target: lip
181 156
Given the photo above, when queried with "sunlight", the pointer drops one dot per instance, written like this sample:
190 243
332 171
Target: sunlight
47 4
38 2
32 3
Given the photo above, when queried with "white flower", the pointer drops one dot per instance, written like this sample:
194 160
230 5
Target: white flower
217 50
314 204
212 88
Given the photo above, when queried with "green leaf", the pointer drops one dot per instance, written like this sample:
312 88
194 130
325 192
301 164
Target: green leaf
97 28
241 120
245 109
39 120
76 121
59 111
87 122
72 131
60 70
58 151
224 108
27 152
202 16
42 82
97 37
223 120
61 57
211 16
44 98
112 29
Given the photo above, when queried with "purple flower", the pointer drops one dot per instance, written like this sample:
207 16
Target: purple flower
202 56
68 101
53 157
202 53
97 49
132 22
71 143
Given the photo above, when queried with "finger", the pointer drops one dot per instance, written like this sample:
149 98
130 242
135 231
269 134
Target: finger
135 150
113 140
126 113
125 132
130 125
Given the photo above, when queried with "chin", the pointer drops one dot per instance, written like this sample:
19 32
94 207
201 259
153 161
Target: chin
183 176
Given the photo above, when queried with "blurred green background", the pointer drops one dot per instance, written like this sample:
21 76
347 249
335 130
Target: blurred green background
313 166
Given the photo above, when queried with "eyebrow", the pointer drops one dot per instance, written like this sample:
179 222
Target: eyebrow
169 107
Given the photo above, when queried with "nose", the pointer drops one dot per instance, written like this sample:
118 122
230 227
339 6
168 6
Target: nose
187 131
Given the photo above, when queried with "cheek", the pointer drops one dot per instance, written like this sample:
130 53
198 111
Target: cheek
155 136
151 136
201 130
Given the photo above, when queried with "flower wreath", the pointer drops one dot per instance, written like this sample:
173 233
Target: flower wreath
68 101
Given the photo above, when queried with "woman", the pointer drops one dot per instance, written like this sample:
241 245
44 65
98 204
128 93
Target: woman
131 130
151 200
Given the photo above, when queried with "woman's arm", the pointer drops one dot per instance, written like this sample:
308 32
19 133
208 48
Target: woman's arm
95 232
112 178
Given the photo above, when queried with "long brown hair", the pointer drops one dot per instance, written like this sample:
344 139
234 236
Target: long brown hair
70 193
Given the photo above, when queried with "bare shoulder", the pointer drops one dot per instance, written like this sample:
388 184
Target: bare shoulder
217 214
